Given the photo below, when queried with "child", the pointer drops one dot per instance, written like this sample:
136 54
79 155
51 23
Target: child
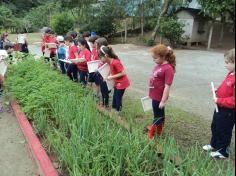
160 84
117 73
4 40
72 71
62 53
98 78
84 57
224 121
45 39
94 57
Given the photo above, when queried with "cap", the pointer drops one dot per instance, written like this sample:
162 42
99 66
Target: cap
60 38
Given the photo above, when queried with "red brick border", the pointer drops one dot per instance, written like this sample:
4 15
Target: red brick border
44 163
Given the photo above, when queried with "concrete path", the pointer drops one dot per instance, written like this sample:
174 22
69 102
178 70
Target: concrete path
15 159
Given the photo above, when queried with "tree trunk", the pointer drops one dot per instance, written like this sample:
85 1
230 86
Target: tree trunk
210 36
126 30
222 32
142 18
164 10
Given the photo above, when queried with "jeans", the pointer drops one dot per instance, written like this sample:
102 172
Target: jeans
105 93
117 99
62 66
83 77
222 129
159 114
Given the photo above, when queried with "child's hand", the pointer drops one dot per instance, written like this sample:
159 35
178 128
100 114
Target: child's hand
162 105
2 78
216 100
109 78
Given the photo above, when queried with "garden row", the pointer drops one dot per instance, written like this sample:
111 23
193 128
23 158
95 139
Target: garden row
86 142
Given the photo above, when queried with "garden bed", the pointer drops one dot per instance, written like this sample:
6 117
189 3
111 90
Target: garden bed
85 141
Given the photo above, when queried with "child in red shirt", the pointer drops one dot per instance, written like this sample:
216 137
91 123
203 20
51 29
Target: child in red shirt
72 71
117 73
84 57
160 84
224 120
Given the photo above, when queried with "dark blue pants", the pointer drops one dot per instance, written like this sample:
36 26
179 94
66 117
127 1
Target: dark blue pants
117 99
222 129
105 93
62 66
83 77
159 114
72 72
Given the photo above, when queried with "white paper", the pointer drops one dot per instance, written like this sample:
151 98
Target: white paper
110 84
3 53
147 104
21 38
66 61
47 53
51 45
214 95
93 66
3 68
104 71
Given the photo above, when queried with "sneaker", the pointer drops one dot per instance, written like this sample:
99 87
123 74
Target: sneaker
208 148
217 155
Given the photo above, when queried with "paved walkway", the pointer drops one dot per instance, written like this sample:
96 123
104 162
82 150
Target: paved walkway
15 159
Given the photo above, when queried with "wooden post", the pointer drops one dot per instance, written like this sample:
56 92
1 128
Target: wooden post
210 36
126 30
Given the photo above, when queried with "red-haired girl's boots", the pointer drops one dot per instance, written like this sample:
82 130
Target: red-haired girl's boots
160 128
152 132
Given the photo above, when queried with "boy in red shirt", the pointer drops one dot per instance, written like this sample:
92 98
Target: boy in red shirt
160 84
224 121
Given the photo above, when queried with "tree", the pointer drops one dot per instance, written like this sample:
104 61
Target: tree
6 17
215 9
62 23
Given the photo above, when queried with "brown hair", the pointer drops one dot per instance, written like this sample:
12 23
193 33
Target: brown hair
107 51
166 53
230 56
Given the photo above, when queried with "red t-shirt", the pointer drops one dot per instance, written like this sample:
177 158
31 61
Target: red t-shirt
115 68
94 55
52 40
161 75
83 65
72 50
226 92
45 39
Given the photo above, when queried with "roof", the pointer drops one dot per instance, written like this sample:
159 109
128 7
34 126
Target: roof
196 13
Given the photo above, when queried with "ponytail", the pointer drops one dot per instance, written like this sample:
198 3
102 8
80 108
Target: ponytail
108 51
166 53
84 43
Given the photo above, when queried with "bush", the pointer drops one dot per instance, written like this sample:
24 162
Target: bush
172 30
62 23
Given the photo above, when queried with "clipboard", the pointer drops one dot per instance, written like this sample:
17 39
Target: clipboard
66 61
104 71
21 38
51 45
3 68
93 66
110 84
147 104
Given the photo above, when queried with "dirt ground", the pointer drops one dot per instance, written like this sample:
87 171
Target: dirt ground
15 159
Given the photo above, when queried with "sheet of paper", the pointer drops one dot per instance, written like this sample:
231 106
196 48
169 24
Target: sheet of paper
66 61
104 71
3 68
21 38
52 45
3 53
147 104
47 53
110 84
93 66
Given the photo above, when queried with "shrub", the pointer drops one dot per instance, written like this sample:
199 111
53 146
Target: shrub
62 23
172 30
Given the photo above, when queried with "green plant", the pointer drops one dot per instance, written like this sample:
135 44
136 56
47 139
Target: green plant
62 23
87 142
172 30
